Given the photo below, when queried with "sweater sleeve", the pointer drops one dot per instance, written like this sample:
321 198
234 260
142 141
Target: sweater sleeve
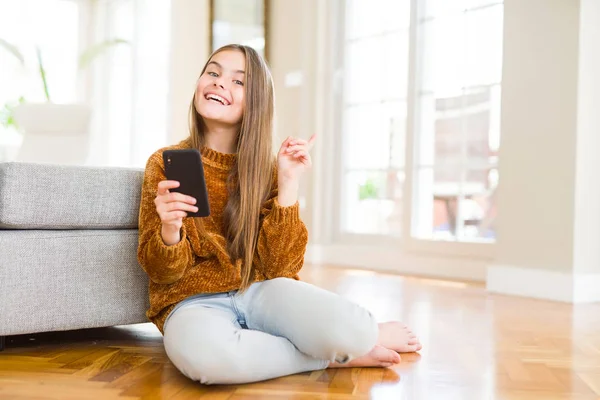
163 264
282 239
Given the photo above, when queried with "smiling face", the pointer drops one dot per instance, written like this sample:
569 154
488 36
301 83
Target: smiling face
220 89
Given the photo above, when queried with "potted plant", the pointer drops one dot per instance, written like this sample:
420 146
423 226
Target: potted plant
56 133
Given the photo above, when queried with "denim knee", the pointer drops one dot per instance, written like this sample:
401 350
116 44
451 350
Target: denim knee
206 361
341 330
201 353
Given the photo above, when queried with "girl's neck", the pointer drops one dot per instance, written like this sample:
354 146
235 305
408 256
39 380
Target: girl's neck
221 138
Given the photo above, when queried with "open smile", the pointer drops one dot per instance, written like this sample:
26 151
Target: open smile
217 98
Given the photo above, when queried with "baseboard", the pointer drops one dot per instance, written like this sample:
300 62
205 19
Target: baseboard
542 284
389 259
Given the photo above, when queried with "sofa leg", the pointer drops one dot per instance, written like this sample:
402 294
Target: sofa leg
2 343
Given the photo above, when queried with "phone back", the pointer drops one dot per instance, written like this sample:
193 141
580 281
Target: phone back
185 166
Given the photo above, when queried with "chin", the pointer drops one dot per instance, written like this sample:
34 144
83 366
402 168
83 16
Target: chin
218 114
217 117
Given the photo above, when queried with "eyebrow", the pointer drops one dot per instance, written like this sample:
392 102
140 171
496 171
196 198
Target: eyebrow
239 71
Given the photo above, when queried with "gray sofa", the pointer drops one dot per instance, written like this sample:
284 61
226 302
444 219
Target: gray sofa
68 242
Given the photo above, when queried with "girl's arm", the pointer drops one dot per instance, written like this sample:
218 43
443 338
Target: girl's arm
163 263
283 237
282 240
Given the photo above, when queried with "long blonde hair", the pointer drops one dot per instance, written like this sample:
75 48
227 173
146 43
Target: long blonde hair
250 179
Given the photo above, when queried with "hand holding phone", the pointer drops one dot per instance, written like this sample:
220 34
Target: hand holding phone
185 166
172 207
182 194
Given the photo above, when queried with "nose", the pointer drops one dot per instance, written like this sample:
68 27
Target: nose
219 82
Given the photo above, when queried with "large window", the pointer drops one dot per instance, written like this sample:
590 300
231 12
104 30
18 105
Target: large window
376 42
457 126
455 133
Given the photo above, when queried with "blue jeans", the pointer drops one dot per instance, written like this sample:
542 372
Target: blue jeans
275 328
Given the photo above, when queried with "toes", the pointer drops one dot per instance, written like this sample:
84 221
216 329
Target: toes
392 357
412 348
383 355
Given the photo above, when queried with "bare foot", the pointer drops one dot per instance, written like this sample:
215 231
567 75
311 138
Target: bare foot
379 356
398 337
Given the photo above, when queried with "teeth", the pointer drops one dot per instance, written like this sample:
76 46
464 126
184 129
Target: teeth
217 98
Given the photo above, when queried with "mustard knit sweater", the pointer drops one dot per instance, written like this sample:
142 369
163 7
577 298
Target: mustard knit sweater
197 265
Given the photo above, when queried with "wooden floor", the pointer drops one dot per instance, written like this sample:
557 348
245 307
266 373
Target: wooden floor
476 346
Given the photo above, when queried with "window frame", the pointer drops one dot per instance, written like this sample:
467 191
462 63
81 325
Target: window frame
484 250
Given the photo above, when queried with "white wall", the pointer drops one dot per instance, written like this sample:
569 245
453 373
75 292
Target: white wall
587 203
538 124
549 195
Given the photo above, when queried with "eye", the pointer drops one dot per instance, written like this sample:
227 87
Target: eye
238 82
213 74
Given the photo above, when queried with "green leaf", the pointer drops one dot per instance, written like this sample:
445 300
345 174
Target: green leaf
368 190
12 49
6 113
42 72
91 53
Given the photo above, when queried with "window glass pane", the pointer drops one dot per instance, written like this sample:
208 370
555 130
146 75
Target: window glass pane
397 118
437 8
483 56
471 4
440 8
457 203
373 202
478 205
458 121
375 136
396 14
460 130
374 115
480 213
441 129
373 17
363 18
395 67
443 55
481 120
364 80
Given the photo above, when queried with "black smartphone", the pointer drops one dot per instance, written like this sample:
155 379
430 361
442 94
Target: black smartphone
185 166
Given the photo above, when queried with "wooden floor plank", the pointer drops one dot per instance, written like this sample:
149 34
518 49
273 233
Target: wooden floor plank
117 365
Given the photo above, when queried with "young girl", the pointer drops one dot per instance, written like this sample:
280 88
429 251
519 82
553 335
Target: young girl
224 289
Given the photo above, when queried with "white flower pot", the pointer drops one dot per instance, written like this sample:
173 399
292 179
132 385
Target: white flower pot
53 133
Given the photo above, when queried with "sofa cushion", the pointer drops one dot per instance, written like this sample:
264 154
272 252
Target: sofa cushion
47 196
59 280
